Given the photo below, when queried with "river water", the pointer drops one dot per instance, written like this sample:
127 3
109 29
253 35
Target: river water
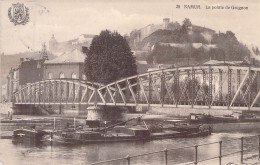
26 154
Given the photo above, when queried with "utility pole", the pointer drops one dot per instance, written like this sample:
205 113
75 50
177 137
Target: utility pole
1 79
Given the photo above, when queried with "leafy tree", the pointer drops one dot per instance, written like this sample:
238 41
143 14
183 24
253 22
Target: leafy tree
185 26
109 58
186 23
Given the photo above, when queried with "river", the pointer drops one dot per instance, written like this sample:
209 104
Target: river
24 154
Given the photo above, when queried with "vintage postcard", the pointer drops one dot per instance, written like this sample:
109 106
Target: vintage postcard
129 82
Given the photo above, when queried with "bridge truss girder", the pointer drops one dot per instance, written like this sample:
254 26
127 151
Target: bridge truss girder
200 86
226 87
56 91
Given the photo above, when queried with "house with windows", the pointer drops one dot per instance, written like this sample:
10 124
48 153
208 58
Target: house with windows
69 65
28 71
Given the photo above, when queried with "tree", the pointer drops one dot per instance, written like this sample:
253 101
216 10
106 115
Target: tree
109 58
186 24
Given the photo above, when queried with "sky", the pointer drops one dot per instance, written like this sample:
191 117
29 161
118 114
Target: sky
68 19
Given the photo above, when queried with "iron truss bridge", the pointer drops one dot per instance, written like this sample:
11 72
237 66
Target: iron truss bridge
222 87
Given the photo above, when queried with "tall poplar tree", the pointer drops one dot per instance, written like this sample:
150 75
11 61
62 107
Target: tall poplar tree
109 58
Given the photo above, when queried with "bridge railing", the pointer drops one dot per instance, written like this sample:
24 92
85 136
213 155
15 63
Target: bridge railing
248 145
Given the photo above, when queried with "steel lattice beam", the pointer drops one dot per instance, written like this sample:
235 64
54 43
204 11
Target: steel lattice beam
165 87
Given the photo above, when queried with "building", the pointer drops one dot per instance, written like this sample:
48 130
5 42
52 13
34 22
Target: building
68 65
4 93
30 71
12 82
138 35
149 29
59 48
142 66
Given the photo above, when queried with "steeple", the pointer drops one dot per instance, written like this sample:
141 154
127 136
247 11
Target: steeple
52 43
44 54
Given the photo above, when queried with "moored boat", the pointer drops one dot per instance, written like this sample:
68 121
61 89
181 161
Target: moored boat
112 133
23 135
235 117
119 134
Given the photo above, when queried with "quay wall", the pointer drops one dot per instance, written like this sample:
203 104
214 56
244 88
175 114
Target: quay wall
66 110
181 111
225 127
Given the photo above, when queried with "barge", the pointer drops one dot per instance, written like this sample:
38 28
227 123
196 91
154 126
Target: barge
235 117
119 134
28 135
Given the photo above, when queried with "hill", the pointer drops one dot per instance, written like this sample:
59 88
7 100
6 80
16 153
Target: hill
191 44
195 48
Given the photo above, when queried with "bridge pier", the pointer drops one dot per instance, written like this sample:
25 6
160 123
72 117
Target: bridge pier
98 114
68 109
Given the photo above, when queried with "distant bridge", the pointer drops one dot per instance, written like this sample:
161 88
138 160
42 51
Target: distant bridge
222 87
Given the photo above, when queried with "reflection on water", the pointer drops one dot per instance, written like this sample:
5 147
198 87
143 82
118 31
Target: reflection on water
26 154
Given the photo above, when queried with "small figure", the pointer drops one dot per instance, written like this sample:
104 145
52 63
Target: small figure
33 127
11 116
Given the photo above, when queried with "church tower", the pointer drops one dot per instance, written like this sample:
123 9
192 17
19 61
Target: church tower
52 44
166 22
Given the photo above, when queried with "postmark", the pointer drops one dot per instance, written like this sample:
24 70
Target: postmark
18 14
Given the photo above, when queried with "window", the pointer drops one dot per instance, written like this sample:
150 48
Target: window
62 75
73 75
49 75
15 75
38 64
84 77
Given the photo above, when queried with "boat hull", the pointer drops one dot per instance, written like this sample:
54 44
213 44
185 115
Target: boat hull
27 136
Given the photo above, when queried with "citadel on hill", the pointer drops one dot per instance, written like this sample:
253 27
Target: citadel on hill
137 36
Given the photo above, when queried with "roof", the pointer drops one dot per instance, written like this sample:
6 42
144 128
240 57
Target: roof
142 62
216 62
74 56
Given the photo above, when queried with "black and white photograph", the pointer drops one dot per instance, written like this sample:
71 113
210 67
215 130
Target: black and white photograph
129 82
